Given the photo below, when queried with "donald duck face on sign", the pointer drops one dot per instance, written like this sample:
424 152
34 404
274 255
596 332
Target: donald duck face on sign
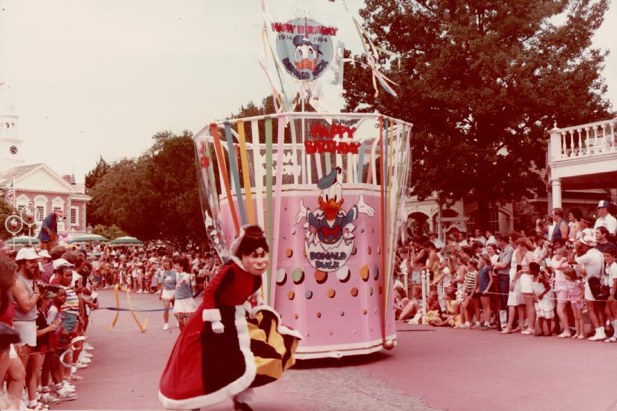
306 54
331 200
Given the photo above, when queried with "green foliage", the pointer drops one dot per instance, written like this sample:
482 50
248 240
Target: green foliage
112 232
483 82
97 173
154 196
5 210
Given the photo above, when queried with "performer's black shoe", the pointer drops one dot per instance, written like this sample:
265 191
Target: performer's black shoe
241 406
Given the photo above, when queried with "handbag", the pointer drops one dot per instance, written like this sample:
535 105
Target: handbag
8 335
599 291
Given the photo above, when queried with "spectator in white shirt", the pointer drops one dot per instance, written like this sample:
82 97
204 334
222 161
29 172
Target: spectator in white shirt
605 219
590 264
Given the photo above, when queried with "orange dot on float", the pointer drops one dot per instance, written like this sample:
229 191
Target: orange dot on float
291 295
364 273
331 293
354 292
289 252
321 276
295 316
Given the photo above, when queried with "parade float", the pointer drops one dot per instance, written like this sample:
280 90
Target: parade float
326 186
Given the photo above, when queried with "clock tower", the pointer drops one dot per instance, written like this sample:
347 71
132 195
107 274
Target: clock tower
10 143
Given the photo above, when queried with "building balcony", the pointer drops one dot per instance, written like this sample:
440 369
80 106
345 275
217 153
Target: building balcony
583 157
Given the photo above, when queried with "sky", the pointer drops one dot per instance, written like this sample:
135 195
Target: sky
93 79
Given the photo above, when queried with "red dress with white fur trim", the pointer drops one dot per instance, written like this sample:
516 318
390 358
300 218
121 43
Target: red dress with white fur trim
205 368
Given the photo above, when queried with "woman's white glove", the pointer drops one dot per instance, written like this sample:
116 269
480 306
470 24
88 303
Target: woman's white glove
217 327
214 317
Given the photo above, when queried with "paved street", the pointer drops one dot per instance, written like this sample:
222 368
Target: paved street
431 368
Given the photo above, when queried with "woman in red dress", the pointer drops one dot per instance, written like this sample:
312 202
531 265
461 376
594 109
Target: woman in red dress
214 358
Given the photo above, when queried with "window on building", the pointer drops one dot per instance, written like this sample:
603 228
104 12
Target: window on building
40 205
40 213
57 204
74 215
22 201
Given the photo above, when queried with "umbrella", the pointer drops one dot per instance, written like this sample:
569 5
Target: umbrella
23 240
125 241
88 238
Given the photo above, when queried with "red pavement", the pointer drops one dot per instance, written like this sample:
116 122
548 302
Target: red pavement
431 368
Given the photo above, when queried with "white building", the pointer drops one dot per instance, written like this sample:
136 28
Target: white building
37 184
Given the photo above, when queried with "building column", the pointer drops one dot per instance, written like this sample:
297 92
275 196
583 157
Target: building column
556 192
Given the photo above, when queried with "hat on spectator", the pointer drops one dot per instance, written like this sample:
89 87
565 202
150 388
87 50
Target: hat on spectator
588 240
603 204
61 262
26 253
44 254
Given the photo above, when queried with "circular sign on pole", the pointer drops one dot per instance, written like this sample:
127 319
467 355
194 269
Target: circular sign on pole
13 224
27 215
305 48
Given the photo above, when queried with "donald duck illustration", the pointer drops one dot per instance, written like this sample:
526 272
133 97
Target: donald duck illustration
329 229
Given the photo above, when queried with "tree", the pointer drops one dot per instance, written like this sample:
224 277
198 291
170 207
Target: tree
5 211
155 196
483 82
96 173
112 232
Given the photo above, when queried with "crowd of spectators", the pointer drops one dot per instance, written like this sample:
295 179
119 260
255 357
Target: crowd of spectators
551 281
46 298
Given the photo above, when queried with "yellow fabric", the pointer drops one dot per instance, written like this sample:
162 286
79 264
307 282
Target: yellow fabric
245 173
268 366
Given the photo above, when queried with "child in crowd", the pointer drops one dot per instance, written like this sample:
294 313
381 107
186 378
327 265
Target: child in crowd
485 281
576 291
452 316
544 305
558 263
154 279
400 298
470 304
610 255
413 307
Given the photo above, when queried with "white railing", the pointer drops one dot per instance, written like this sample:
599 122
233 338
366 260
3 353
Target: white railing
583 141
